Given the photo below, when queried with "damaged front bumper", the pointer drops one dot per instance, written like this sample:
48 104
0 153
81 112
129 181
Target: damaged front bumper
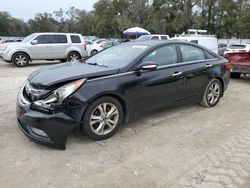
47 129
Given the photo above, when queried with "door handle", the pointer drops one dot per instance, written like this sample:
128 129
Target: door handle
208 65
177 74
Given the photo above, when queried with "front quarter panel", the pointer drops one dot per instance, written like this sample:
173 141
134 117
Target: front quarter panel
11 50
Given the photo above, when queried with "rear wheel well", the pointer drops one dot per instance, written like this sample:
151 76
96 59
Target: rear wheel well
222 84
74 52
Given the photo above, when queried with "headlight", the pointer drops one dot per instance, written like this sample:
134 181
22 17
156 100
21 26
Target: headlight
3 47
60 94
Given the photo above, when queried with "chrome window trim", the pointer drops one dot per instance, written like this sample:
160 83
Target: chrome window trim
185 63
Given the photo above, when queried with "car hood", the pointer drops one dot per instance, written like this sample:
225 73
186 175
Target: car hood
56 74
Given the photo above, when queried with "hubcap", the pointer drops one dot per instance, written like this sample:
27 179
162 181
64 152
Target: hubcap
104 118
73 57
213 93
21 60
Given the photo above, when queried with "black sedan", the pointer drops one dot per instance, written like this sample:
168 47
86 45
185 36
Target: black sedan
118 85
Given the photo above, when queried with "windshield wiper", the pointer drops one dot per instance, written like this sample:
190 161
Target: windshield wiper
97 64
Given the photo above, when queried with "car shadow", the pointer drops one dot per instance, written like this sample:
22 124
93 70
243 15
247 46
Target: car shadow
135 127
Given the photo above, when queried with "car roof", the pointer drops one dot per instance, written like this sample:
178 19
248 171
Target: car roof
53 33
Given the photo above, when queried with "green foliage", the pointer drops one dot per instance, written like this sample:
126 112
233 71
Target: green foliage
225 18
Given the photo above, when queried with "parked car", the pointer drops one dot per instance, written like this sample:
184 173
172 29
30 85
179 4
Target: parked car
109 43
153 37
93 48
199 37
240 60
116 86
230 48
222 45
45 46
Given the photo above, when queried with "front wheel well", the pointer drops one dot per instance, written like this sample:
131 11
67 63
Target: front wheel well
20 52
120 100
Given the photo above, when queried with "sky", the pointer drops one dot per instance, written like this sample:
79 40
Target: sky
25 9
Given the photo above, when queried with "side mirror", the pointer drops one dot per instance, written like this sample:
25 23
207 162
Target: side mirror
34 42
148 66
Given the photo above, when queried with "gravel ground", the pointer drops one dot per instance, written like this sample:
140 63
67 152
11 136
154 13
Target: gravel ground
189 146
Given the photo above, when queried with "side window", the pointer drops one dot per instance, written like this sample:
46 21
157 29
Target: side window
155 38
44 39
75 39
209 56
59 39
165 55
191 53
164 37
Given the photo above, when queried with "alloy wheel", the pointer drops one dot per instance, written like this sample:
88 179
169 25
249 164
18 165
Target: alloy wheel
21 60
73 57
213 94
104 118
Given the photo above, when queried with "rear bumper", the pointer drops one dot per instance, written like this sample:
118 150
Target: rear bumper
47 129
241 69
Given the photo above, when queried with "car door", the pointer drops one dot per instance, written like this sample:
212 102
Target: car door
59 46
41 49
161 87
197 63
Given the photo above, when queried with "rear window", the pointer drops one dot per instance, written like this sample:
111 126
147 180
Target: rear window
59 39
209 56
191 53
237 46
75 39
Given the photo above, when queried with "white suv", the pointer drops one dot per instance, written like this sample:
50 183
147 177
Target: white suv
44 46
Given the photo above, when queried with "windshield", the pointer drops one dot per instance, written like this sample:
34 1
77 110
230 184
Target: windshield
117 56
28 38
143 37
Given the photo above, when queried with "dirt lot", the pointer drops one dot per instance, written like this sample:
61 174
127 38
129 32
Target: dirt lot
190 146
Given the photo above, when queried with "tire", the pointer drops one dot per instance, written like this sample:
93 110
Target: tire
20 59
235 75
72 56
212 94
93 52
98 126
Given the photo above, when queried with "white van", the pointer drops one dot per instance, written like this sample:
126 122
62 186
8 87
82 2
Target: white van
199 37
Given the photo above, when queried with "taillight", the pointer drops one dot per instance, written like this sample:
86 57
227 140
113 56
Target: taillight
228 66
85 46
103 46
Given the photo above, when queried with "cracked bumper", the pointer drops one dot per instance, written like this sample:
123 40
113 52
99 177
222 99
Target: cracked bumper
47 129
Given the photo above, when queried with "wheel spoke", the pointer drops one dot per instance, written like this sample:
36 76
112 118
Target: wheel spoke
100 128
93 117
112 112
110 125
101 110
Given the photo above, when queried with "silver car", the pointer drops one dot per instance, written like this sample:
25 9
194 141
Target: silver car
44 46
